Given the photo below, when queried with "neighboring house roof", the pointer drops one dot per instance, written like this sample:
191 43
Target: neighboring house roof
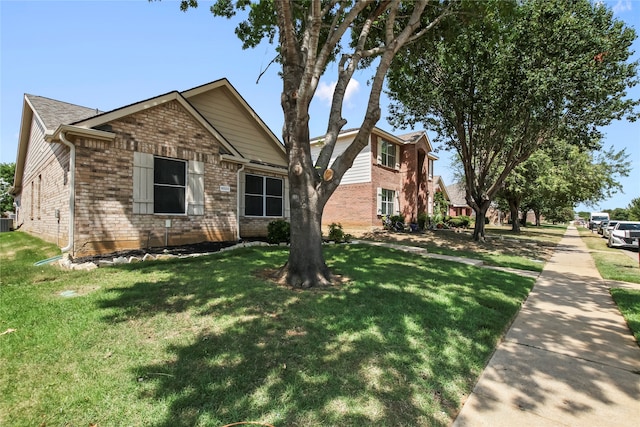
439 184
408 138
457 195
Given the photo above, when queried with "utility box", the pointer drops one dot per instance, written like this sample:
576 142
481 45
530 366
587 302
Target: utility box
6 224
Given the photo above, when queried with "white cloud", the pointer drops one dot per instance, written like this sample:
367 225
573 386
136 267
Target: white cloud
325 91
622 6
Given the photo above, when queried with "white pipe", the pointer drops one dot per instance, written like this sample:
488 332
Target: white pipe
72 190
238 201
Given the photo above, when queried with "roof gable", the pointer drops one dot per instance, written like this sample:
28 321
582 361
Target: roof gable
118 113
221 104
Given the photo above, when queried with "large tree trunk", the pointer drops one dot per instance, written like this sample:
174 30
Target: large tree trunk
481 213
514 209
306 266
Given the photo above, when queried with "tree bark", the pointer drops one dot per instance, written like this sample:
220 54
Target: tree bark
306 266
514 209
481 213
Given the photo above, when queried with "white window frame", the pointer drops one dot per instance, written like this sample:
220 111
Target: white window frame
264 196
387 159
387 201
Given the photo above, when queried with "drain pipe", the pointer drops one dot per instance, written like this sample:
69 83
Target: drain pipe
72 190
238 201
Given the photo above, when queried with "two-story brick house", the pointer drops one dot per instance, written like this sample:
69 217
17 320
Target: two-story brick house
179 168
392 175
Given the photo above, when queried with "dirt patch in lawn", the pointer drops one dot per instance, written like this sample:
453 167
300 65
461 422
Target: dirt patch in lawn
461 240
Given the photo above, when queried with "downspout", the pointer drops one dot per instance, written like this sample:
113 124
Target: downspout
72 190
238 201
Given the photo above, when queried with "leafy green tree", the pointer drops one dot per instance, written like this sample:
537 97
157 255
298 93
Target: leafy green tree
619 214
7 172
556 178
510 77
634 209
310 35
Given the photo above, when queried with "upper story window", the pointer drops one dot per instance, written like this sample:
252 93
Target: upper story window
388 154
169 186
263 196
430 172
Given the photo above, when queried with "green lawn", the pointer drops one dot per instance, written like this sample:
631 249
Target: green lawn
610 262
614 265
206 342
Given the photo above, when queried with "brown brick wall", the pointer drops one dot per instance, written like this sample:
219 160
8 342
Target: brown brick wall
104 189
350 205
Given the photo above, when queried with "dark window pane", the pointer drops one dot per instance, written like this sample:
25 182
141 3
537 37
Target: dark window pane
168 200
170 172
253 184
253 205
274 187
274 206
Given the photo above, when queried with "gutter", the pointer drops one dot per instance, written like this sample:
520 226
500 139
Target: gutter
72 190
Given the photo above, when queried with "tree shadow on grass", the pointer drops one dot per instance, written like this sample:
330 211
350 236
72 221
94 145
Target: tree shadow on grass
399 345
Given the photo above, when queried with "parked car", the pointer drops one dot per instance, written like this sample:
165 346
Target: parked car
607 230
602 225
624 235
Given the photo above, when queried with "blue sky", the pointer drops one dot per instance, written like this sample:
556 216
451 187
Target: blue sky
107 54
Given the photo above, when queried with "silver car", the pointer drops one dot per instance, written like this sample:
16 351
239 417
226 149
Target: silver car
607 230
624 235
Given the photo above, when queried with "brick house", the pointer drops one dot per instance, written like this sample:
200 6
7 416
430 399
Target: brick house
392 175
179 168
458 200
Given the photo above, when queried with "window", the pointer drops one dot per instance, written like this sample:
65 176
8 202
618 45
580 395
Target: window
263 196
387 201
388 154
39 195
167 186
430 173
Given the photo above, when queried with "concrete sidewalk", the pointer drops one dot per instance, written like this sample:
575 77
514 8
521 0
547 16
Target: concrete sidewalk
567 360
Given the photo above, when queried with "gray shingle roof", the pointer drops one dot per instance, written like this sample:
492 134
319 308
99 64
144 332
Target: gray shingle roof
457 194
411 137
55 113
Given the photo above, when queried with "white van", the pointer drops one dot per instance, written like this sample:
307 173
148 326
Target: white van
596 218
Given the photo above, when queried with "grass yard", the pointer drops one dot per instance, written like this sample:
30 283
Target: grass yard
628 301
528 250
208 342
610 262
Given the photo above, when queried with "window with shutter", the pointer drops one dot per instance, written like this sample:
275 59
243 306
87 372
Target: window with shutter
388 155
167 186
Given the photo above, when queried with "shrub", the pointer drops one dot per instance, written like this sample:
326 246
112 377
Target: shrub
423 220
337 235
459 221
278 231
396 218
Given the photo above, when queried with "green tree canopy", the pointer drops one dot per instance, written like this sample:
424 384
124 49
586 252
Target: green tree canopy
509 77
7 173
